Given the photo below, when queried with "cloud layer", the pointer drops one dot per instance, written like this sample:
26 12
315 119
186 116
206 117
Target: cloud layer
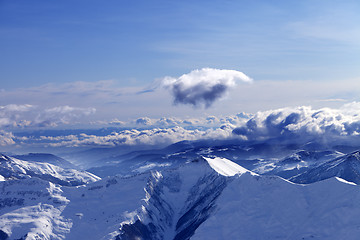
6 138
160 132
155 136
26 115
203 86
291 125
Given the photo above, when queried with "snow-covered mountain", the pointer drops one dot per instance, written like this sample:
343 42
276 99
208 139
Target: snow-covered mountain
295 163
201 202
346 167
31 209
12 168
285 160
194 194
176 203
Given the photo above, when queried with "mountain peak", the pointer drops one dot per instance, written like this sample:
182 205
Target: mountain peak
226 167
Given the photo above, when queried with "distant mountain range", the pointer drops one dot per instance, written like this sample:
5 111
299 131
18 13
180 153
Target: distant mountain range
346 167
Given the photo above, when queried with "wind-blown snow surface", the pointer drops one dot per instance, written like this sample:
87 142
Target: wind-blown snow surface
202 198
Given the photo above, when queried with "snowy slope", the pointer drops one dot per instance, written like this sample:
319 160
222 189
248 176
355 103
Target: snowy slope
47 158
36 209
271 208
226 167
31 198
12 168
31 208
96 210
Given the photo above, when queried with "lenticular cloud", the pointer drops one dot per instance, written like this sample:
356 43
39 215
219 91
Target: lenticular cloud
203 86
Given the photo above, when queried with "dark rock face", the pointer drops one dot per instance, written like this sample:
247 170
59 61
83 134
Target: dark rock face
199 208
3 235
137 230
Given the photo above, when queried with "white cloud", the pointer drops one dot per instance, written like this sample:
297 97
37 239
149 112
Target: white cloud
112 102
169 122
12 114
303 122
155 136
15 108
107 97
26 115
164 122
116 122
143 121
203 86
299 124
61 115
70 110
6 138
212 120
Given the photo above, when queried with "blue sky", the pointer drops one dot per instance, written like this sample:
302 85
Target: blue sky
96 60
135 42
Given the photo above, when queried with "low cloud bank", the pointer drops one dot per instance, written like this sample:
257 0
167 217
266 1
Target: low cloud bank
155 136
291 125
203 86
303 122
297 125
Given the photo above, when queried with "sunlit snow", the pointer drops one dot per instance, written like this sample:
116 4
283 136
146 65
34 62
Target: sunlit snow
225 167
